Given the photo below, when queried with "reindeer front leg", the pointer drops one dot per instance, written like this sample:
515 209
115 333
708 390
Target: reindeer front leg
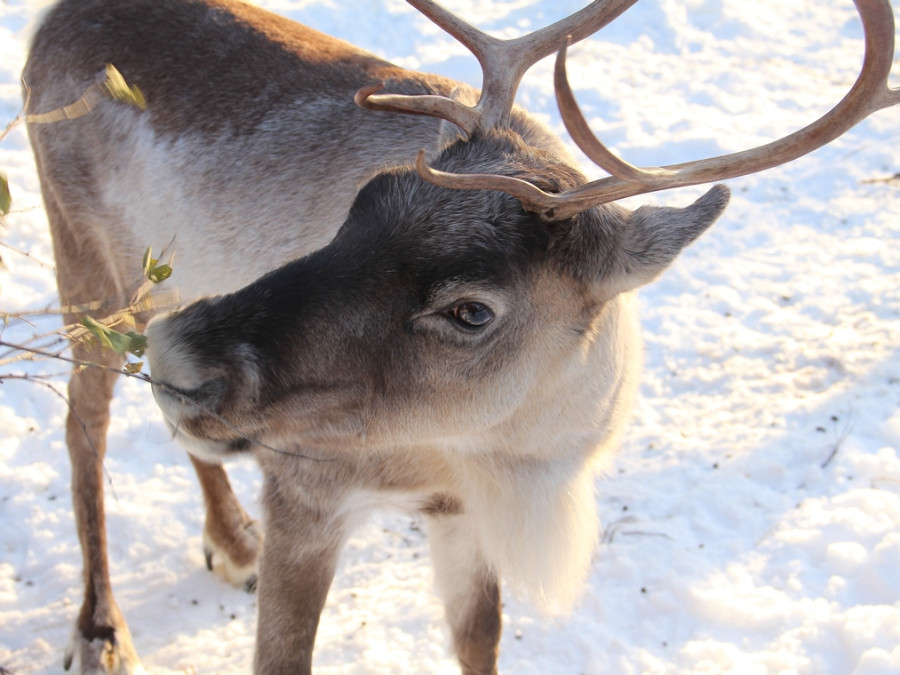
101 642
470 590
232 540
303 540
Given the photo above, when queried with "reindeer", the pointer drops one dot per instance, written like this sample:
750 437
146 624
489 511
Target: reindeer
397 290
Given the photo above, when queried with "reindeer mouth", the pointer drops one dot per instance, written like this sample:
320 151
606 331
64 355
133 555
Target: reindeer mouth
193 418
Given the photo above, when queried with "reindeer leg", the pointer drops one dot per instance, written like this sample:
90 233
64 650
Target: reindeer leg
471 593
232 540
101 640
303 540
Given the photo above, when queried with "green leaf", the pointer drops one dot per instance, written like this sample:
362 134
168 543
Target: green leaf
159 273
119 89
153 270
5 196
120 343
137 343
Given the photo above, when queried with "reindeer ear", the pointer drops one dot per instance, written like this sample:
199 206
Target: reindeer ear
623 250
654 236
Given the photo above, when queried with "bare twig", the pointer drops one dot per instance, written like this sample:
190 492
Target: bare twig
612 529
28 255
12 125
141 302
39 381
146 378
841 437
890 180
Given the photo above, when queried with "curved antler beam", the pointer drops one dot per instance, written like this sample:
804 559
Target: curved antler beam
869 94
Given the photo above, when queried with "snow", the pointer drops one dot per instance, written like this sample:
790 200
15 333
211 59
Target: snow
752 519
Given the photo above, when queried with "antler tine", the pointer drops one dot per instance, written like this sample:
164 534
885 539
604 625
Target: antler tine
549 206
461 115
869 94
503 63
583 23
476 41
508 60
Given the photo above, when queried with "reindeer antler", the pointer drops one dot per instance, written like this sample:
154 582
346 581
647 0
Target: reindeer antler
869 94
504 63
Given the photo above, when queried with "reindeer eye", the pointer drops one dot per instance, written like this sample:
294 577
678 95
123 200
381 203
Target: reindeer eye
471 315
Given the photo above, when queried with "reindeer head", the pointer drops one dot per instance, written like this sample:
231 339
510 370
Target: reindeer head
434 314
486 287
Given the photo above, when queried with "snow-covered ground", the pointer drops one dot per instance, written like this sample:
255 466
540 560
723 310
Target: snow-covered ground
752 519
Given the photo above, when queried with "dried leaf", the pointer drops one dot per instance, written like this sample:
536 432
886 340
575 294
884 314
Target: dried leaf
120 90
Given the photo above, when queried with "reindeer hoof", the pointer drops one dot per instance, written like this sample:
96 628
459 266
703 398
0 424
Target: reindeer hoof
234 558
113 655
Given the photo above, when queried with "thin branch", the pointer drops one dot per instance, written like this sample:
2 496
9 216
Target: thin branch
28 255
143 377
21 116
10 356
38 380
890 180
12 125
141 301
